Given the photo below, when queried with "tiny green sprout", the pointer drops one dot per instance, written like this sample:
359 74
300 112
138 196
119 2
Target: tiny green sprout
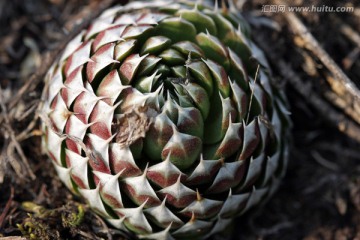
74 219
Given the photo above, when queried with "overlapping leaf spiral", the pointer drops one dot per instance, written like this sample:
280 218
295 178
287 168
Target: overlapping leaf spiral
162 116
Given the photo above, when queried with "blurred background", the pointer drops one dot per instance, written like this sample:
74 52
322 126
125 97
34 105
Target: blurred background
314 52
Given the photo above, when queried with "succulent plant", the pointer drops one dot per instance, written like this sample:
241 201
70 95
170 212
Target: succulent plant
162 115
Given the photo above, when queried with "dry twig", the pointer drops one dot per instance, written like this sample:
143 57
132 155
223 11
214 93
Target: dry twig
353 36
14 143
344 124
6 208
347 30
351 58
341 100
339 82
337 94
310 43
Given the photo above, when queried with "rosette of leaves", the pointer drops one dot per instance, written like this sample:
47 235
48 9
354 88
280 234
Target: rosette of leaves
162 115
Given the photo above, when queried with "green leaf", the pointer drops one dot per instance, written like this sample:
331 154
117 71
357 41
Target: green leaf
155 45
172 57
201 22
174 28
213 49
202 75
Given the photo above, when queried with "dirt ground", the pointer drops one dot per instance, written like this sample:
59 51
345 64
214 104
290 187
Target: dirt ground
319 197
